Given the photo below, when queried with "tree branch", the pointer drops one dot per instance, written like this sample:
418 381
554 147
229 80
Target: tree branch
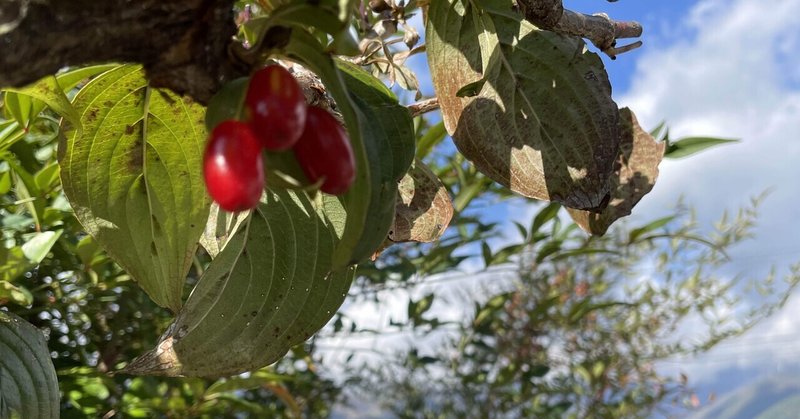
423 106
183 44
601 30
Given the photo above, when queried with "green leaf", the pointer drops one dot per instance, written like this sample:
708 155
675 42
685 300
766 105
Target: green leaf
692 145
134 177
471 89
659 131
382 137
434 136
28 382
388 140
486 252
37 247
544 215
27 102
543 124
70 79
47 177
655 225
5 182
17 294
270 288
227 103
417 308
10 132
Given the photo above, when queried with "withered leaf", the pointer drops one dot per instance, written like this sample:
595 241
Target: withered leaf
635 173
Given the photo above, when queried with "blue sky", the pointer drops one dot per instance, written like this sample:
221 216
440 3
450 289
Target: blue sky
731 70
725 68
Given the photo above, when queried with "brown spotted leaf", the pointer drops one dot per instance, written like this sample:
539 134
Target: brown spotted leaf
423 208
634 175
134 177
531 109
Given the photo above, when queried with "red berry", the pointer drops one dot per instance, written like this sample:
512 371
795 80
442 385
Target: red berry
233 168
277 107
323 151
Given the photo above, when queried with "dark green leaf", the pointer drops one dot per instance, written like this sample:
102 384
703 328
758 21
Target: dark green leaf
270 288
544 215
28 382
471 89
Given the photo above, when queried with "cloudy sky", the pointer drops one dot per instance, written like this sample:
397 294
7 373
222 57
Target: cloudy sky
725 68
730 69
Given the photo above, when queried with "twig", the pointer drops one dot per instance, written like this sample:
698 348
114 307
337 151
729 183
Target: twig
423 106
600 29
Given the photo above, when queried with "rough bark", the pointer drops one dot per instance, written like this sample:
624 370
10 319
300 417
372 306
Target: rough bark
599 28
183 44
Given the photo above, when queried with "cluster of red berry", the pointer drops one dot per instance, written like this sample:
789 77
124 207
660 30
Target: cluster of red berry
278 119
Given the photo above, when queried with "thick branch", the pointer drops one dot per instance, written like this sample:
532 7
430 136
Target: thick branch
601 30
183 44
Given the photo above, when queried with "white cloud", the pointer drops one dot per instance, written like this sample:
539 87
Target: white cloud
732 80
737 76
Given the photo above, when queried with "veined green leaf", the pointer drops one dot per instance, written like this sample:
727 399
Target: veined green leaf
27 102
271 287
28 382
388 139
134 177
542 123
382 136
70 79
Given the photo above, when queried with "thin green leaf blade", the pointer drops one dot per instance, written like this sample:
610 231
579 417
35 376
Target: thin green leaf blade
692 145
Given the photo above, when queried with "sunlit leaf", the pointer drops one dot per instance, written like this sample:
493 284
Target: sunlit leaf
27 102
134 177
542 122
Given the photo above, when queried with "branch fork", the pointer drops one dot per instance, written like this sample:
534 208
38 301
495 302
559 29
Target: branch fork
599 28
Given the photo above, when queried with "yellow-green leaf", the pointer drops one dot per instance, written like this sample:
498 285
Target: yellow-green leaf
134 177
